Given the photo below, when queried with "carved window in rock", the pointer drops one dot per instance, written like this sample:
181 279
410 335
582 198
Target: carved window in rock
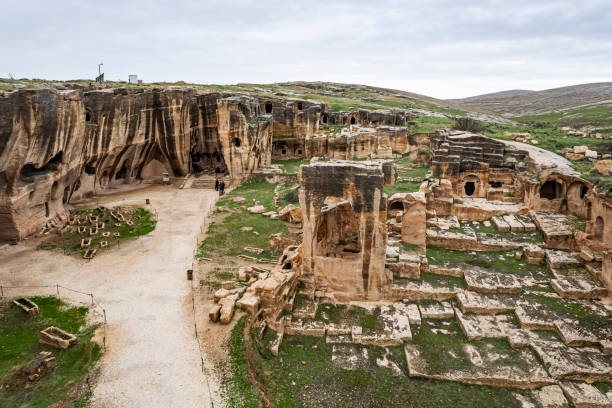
469 188
583 191
396 206
551 190
337 229
29 171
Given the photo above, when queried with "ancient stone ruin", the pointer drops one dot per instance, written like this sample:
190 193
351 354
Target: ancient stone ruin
398 261
502 240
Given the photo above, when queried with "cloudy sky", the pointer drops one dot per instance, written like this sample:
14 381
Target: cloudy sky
441 48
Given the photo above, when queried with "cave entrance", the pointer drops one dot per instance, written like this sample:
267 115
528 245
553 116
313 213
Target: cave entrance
583 191
599 229
209 162
324 118
29 171
469 188
122 173
299 106
236 142
353 121
551 190
396 206
268 107
495 184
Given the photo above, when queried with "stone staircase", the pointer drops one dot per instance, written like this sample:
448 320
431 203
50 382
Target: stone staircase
207 181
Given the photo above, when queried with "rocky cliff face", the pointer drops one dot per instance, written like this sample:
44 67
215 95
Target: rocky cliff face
60 146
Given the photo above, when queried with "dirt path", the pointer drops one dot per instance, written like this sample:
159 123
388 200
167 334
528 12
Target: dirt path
152 357
546 159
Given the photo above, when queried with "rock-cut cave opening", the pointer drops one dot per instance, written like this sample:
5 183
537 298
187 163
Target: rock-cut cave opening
551 190
469 188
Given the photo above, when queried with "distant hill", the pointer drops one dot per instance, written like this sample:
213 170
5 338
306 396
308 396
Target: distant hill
522 103
495 95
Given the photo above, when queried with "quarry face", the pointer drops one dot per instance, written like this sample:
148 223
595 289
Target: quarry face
493 269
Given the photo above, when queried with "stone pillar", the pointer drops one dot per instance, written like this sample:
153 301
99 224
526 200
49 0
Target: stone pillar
344 243
414 219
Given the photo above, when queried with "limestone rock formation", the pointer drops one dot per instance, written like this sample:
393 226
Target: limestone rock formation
62 146
344 211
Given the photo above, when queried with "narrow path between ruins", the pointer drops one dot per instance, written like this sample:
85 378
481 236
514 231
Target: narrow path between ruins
152 356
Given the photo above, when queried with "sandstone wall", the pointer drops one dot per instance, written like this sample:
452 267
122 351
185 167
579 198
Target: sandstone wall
66 145
359 145
606 272
344 232
292 118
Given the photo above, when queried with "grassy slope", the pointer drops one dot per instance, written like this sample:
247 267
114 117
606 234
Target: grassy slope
19 334
225 237
303 376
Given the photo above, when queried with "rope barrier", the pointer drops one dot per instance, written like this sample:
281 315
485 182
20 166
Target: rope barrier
57 287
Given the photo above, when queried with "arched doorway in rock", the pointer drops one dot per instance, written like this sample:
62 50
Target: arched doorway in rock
599 229
551 190
353 121
470 185
299 106
469 188
268 107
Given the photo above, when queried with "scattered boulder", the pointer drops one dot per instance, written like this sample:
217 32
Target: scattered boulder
39 366
603 167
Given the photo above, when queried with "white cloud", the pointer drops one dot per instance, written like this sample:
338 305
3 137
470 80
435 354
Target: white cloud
442 48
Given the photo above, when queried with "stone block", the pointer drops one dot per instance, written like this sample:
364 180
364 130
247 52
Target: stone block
57 338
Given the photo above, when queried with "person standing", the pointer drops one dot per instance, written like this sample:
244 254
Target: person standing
222 188
216 184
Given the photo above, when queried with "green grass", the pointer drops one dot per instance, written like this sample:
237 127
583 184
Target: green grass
289 382
490 261
443 281
238 391
598 116
428 124
402 187
349 315
548 137
69 242
289 194
225 237
291 166
20 344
